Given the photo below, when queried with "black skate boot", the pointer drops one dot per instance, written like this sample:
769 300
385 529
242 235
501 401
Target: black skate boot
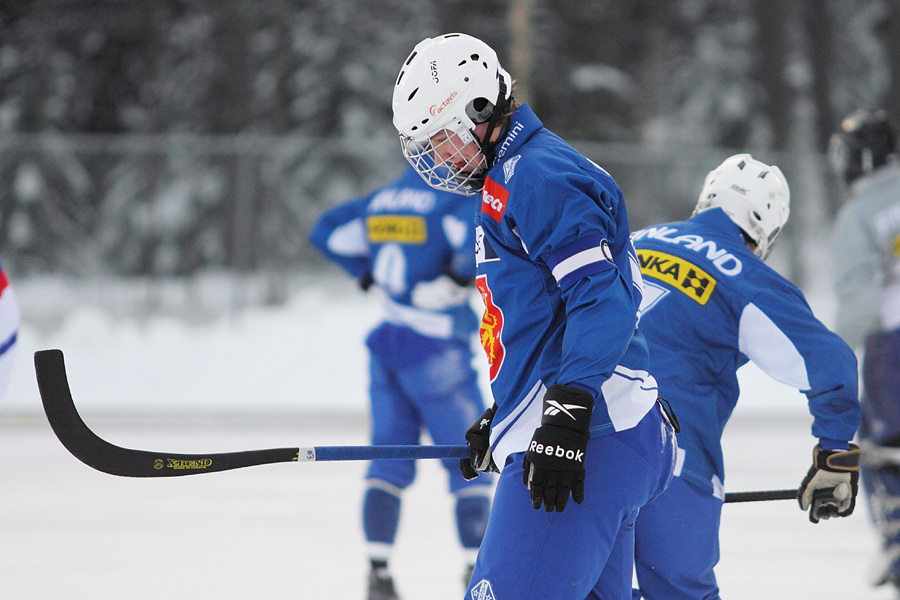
381 585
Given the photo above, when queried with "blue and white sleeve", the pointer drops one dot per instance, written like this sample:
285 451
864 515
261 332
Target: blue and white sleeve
340 236
781 335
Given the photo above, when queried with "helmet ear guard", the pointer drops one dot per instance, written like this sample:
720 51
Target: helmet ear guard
479 110
754 195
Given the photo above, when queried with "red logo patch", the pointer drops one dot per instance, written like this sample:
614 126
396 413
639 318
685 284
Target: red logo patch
491 329
493 199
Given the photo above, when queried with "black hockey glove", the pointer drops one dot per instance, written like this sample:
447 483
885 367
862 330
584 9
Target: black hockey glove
554 463
478 437
830 487
365 282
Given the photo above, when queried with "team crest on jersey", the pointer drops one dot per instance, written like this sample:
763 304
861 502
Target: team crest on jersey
483 591
402 229
493 199
509 167
682 275
491 331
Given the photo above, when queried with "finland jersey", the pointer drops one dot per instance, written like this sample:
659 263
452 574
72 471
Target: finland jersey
723 307
555 263
405 235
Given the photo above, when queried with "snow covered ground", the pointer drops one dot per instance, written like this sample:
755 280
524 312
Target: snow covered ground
292 376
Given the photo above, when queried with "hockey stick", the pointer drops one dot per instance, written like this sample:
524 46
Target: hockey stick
99 454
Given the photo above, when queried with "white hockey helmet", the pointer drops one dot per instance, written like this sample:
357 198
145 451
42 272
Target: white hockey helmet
450 84
753 194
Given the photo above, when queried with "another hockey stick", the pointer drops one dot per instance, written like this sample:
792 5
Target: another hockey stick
99 454
760 496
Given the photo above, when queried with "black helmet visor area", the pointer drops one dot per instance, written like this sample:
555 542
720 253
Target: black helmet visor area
864 142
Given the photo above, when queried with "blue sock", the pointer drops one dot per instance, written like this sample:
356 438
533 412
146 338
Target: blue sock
471 519
381 516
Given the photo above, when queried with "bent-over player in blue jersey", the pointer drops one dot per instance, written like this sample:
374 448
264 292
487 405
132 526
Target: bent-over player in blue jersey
414 243
711 305
576 411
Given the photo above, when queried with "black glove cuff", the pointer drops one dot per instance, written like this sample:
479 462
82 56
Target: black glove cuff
568 407
482 427
837 461
365 282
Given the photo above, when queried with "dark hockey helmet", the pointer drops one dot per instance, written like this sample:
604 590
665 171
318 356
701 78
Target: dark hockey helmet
864 142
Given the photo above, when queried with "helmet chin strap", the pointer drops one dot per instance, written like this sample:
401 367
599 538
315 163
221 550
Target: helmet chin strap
487 146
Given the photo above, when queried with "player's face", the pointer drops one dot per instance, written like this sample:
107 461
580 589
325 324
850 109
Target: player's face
458 150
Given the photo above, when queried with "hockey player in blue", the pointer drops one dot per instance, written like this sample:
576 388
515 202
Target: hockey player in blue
576 411
710 305
415 244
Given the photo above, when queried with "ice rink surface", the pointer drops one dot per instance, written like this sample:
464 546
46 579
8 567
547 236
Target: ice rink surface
295 376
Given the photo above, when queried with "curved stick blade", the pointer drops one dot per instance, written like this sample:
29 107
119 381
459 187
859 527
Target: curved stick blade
99 454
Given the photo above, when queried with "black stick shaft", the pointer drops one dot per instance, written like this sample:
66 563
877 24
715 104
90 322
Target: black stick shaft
761 496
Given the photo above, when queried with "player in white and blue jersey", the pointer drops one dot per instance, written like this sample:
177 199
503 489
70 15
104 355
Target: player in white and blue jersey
576 411
711 305
10 316
414 243
866 258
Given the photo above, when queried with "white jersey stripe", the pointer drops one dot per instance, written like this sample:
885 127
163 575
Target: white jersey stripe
578 260
425 322
770 349
629 396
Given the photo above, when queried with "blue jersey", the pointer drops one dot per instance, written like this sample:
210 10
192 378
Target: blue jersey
710 306
561 287
416 243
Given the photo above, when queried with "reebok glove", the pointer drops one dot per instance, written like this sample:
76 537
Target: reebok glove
554 462
830 487
478 436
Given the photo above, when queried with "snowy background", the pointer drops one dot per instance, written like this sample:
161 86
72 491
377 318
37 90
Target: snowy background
295 375
160 165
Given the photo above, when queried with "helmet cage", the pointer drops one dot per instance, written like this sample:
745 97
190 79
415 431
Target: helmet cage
456 173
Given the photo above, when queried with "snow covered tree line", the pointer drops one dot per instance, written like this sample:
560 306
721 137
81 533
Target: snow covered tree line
162 137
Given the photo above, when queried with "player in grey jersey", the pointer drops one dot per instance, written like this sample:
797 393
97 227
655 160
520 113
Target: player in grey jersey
866 247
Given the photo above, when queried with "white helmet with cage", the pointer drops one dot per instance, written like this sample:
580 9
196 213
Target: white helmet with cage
448 86
753 194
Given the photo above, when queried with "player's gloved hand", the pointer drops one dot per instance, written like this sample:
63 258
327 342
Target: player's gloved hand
478 437
830 487
554 463
365 282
